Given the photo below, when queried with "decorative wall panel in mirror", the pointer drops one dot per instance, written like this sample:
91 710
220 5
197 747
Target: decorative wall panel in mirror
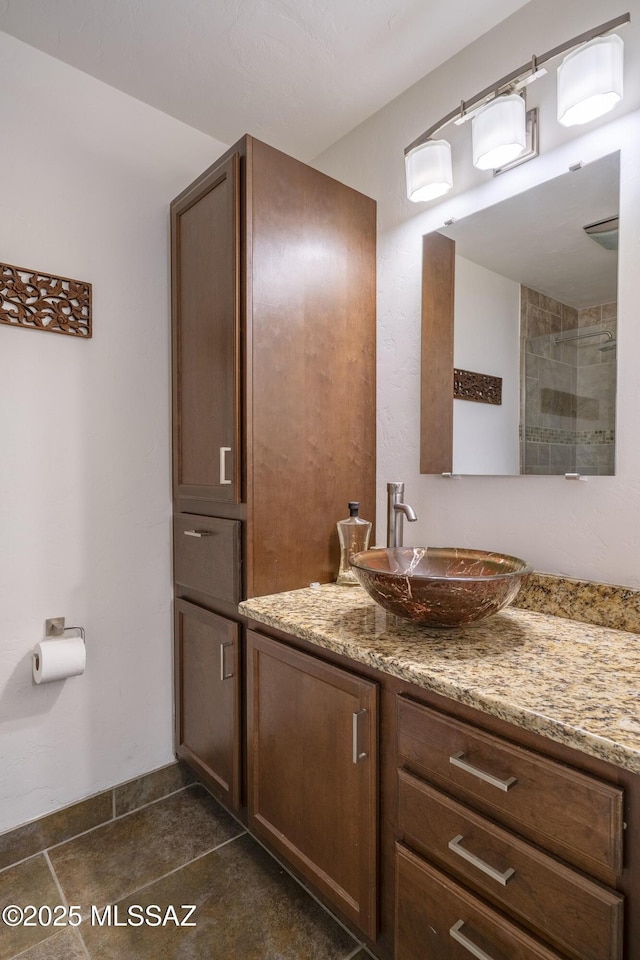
525 291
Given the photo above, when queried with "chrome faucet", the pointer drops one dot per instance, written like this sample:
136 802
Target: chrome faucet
396 510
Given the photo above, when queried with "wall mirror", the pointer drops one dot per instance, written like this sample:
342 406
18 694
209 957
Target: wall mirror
519 328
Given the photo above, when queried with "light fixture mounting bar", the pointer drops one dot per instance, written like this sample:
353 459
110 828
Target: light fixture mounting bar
505 82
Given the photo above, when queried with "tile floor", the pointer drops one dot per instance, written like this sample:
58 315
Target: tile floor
181 850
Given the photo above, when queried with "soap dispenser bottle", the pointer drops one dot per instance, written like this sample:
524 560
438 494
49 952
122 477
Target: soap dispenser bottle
353 534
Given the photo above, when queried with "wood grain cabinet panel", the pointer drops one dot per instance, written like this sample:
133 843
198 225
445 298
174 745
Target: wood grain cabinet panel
312 772
436 378
207 677
574 914
576 816
313 348
206 337
437 919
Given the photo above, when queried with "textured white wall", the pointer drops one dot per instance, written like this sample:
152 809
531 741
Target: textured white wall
589 530
87 174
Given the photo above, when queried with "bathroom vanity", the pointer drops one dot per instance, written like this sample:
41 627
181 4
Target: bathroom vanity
446 793
498 765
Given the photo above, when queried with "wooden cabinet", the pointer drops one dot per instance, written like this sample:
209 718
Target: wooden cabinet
434 831
207 671
513 810
273 355
274 359
313 772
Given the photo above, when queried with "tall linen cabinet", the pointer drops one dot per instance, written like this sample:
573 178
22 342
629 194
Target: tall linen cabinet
273 347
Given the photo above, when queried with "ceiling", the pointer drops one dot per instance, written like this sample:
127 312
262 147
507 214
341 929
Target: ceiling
297 73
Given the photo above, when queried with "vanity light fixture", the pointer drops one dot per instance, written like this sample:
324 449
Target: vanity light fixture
499 132
590 81
428 170
504 134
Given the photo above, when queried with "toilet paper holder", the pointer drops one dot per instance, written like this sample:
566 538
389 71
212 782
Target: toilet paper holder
54 627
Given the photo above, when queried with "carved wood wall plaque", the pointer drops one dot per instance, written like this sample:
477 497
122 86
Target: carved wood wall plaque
38 301
479 387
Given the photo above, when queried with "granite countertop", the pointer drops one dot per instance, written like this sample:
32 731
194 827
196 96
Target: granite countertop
572 682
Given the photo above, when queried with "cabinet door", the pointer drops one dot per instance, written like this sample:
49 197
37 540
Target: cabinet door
312 772
206 337
207 671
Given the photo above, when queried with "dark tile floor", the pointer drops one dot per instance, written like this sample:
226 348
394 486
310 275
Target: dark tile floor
178 852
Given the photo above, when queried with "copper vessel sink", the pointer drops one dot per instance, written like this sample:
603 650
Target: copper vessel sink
439 586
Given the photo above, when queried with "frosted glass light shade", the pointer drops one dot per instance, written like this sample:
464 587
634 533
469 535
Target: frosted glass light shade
590 80
499 132
428 170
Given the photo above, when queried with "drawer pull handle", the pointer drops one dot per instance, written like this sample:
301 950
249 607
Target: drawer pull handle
223 464
223 675
458 761
466 943
358 755
197 533
503 878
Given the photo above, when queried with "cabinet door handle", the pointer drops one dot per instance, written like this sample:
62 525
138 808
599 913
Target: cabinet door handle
197 533
223 464
458 761
358 755
223 675
469 945
503 878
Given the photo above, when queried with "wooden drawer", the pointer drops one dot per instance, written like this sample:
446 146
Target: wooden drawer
207 555
565 908
569 813
438 920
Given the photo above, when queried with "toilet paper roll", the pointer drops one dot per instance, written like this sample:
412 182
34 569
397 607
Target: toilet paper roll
57 659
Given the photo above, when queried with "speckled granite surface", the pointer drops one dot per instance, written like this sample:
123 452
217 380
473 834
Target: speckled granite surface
573 682
603 604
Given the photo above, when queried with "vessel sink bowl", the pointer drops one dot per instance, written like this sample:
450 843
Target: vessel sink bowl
439 586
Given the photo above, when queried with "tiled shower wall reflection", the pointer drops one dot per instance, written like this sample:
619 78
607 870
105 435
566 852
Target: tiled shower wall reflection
568 360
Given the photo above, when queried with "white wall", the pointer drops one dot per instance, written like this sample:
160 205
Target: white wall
486 339
589 530
87 174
